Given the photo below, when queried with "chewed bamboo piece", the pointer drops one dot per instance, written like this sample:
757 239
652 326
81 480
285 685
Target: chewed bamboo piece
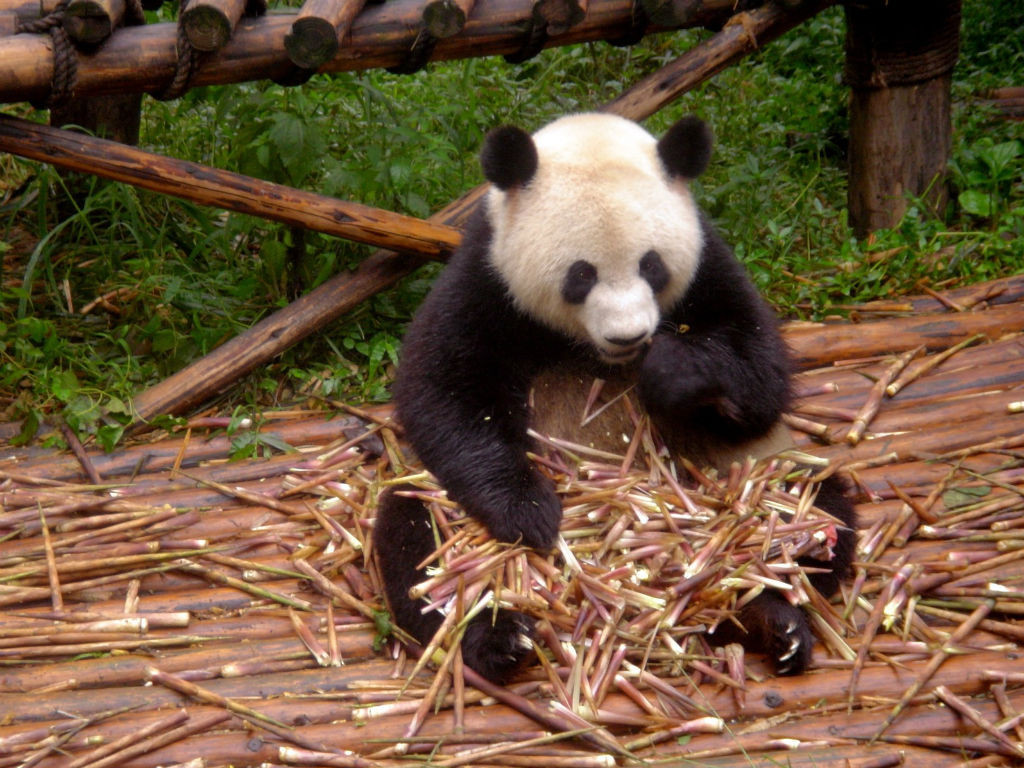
643 568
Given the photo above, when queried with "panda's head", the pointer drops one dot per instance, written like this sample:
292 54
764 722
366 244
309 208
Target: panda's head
594 230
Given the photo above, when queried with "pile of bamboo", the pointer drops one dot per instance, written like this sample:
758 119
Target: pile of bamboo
164 603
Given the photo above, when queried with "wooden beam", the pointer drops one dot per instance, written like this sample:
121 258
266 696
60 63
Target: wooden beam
232 191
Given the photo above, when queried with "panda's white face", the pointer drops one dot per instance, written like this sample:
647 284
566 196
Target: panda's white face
602 239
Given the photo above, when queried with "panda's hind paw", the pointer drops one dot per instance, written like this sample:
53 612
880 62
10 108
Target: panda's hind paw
774 627
781 630
498 645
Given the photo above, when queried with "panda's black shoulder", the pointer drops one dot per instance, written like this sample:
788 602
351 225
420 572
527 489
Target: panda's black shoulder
470 311
722 292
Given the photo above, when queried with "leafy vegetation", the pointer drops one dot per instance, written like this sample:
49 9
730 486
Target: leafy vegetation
104 296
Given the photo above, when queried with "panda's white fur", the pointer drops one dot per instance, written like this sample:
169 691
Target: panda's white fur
608 213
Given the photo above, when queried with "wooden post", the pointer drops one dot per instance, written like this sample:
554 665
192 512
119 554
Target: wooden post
899 59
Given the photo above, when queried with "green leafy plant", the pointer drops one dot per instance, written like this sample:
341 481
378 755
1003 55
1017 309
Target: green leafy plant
987 173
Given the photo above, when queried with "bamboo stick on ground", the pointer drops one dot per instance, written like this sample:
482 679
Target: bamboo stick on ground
115 746
936 661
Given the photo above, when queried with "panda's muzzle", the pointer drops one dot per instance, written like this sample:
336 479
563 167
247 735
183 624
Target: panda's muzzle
622 350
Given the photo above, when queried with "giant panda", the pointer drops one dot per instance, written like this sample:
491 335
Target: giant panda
588 257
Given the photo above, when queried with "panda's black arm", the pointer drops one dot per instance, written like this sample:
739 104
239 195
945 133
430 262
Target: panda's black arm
462 396
720 366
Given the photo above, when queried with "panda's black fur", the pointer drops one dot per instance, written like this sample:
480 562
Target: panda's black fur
715 374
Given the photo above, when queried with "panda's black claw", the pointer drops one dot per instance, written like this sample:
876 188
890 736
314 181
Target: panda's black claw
794 645
774 627
498 645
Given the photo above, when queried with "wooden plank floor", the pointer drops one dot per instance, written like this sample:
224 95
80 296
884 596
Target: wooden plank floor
174 608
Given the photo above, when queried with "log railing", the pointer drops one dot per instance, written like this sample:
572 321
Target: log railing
144 58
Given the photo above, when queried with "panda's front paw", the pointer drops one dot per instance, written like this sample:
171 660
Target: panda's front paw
774 627
675 379
531 516
498 645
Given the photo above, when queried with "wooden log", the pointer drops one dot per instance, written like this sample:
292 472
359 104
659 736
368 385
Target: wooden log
318 30
163 455
8 23
143 58
340 294
90 22
560 15
444 18
28 10
802 694
812 346
947 392
899 62
208 24
735 41
1007 101
934 441
671 13
233 191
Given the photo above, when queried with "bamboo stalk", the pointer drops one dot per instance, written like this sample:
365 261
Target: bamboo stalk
116 746
136 748
935 662
969 712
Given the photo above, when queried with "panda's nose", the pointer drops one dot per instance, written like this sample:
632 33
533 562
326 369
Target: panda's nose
619 341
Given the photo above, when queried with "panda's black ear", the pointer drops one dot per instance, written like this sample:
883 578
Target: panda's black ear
509 157
686 149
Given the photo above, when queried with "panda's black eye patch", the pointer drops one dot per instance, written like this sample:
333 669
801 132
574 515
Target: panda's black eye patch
653 270
579 279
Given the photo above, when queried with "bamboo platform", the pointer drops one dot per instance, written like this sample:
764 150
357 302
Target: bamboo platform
163 605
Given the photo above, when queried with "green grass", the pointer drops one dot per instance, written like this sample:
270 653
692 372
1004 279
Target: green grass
179 278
